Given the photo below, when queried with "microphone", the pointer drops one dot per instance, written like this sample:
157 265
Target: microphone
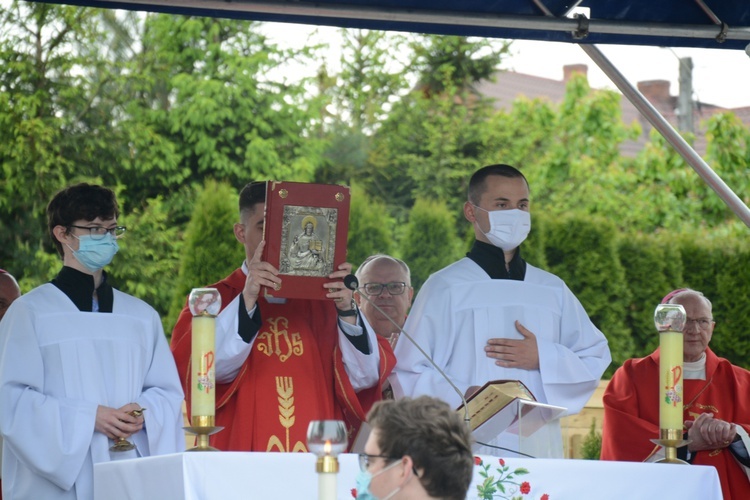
352 283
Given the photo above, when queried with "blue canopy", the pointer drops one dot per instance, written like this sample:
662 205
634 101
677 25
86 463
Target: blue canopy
672 23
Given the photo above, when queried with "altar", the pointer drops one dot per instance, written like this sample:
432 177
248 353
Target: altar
284 476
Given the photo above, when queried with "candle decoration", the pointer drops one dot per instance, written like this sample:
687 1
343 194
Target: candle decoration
205 304
670 322
326 439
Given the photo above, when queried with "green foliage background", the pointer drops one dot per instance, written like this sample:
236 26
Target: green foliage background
178 113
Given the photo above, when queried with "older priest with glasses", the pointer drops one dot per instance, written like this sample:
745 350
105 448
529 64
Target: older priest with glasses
386 281
716 404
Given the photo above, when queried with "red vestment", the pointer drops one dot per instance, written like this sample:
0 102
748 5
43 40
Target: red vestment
631 414
293 374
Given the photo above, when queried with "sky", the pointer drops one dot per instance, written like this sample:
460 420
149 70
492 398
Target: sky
720 77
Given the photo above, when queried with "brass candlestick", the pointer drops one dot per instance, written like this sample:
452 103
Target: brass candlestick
203 427
670 440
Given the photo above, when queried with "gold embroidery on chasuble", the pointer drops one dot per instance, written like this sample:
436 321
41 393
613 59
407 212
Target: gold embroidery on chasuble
285 393
705 408
278 341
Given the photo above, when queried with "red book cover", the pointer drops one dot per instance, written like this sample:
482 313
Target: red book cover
306 228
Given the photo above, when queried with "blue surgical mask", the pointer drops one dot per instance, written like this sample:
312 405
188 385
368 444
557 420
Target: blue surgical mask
363 484
95 254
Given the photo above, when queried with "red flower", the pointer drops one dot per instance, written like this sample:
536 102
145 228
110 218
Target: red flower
525 488
354 492
544 497
477 461
502 463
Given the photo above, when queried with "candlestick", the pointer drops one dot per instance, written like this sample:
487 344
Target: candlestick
326 438
205 304
670 321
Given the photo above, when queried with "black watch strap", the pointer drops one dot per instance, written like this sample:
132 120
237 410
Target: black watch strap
349 312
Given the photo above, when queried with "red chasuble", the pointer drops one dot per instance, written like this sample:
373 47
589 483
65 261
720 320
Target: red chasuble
294 374
631 414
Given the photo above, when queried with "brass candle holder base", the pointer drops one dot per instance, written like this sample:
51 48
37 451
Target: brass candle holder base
327 464
203 427
670 440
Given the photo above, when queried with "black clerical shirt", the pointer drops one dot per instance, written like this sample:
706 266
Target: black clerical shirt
492 261
79 287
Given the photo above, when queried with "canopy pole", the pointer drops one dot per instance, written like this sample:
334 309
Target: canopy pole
669 133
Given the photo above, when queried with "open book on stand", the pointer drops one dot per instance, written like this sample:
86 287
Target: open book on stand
506 406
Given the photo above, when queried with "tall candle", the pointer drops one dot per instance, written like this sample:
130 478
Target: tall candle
203 395
670 380
205 304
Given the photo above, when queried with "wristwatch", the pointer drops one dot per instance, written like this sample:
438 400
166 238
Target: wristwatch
348 312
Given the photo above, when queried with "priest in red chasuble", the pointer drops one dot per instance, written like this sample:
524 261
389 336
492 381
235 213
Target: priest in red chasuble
281 363
716 402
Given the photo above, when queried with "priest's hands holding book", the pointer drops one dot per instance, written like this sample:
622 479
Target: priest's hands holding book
341 295
511 353
118 422
260 273
709 433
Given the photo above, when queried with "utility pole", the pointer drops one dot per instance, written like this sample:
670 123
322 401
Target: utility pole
685 99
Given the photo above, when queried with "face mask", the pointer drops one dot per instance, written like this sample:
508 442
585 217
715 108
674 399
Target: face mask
508 228
95 254
363 484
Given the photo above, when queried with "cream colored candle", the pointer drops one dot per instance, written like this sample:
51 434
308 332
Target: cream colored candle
203 395
327 486
670 380
327 468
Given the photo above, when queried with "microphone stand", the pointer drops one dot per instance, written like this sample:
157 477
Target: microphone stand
351 282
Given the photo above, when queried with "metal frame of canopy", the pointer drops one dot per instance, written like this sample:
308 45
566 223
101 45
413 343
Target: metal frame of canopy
716 32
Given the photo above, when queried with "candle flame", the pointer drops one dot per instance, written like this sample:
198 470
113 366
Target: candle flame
327 447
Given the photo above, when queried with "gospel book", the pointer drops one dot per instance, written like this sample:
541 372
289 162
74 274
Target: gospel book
305 230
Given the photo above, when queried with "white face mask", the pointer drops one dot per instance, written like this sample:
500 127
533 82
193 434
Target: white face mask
508 228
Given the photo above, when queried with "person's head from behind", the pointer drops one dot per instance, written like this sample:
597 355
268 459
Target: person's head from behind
9 291
700 324
82 221
498 206
418 448
387 282
249 231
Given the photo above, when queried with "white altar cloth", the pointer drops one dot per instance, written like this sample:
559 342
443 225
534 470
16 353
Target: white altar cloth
287 476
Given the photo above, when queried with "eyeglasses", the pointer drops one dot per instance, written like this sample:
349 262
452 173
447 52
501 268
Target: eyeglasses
394 288
702 323
98 232
365 460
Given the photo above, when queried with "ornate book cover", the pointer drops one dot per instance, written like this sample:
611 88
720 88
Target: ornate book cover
306 228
